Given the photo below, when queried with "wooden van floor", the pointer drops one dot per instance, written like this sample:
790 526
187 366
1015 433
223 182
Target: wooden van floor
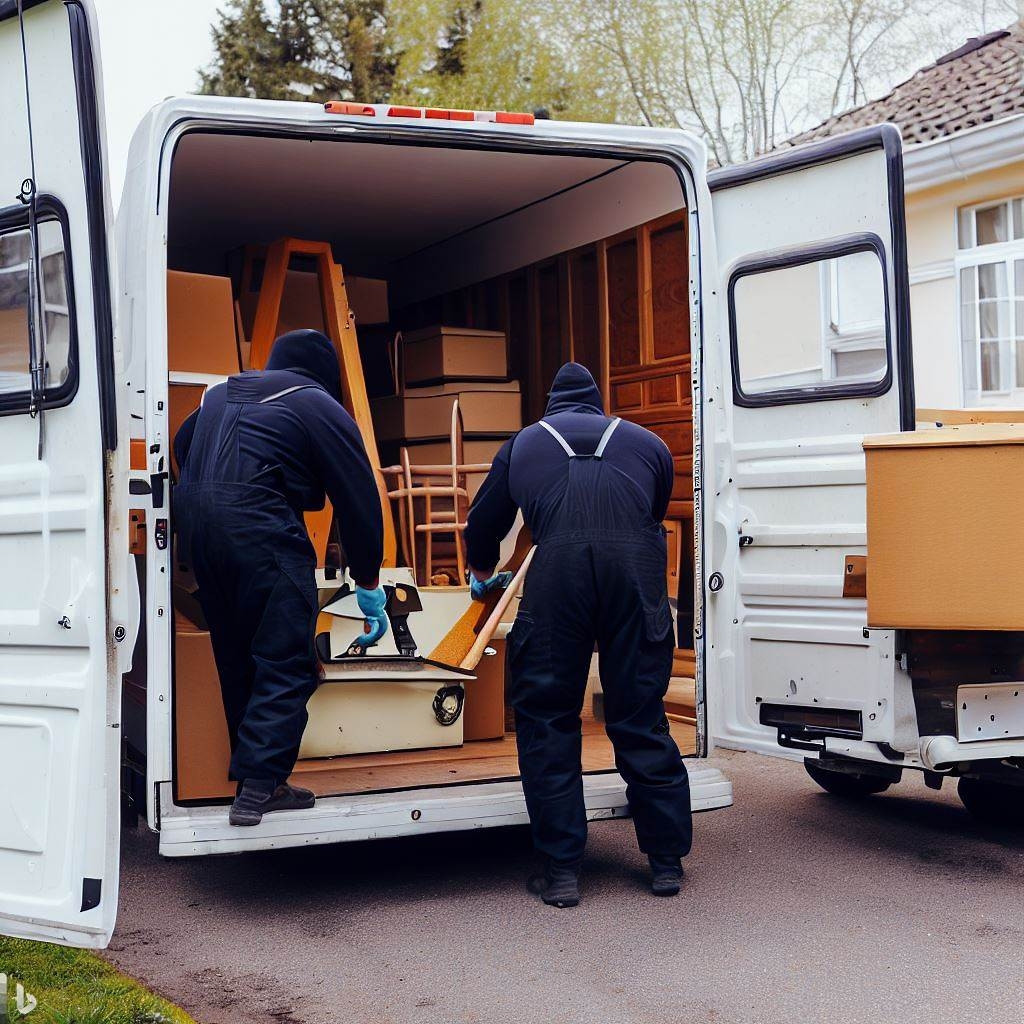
475 761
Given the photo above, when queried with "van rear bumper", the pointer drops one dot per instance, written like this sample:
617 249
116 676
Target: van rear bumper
197 831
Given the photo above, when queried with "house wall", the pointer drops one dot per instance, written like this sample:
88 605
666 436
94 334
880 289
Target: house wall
931 237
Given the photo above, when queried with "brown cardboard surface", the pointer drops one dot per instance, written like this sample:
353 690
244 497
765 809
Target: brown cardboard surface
368 299
951 417
183 400
421 413
453 353
200 324
945 548
202 748
301 306
961 435
484 710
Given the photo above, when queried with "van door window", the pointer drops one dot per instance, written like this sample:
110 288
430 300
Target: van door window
57 330
812 322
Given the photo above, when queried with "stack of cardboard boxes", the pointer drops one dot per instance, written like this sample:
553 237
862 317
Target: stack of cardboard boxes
438 365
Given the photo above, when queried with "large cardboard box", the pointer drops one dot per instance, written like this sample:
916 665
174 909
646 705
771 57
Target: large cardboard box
200 324
202 747
945 546
368 299
437 354
423 413
484 712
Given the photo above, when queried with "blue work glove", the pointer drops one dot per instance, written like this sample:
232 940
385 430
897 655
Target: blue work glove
479 589
371 604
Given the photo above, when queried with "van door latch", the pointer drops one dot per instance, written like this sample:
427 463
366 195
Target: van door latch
746 540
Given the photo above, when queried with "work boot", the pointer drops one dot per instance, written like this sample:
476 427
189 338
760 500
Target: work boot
257 797
558 885
666 875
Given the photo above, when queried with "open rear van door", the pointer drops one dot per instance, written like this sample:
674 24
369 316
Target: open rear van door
64 631
815 325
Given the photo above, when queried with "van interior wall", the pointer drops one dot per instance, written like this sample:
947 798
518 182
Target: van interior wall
570 257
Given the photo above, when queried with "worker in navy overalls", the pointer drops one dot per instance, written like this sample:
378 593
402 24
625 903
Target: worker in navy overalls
263 448
593 491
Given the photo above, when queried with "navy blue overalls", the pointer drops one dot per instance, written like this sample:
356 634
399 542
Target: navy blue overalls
264 447
598 577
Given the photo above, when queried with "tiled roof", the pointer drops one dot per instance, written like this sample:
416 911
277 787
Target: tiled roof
978 83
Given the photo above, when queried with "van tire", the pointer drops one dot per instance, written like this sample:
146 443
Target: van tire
992 803
843 784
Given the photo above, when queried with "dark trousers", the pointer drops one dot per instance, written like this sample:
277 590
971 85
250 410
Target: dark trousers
255 572
610 592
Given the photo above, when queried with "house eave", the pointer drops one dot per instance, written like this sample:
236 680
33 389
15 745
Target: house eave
957 157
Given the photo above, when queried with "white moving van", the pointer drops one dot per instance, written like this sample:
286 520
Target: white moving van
768 313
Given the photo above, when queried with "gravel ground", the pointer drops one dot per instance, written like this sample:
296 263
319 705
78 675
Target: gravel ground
797 907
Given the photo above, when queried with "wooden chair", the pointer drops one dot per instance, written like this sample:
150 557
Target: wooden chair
433 502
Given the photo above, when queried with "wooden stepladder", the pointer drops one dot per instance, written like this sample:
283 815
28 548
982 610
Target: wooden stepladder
340 328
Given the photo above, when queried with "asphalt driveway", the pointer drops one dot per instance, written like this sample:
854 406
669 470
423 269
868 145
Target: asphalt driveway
797 907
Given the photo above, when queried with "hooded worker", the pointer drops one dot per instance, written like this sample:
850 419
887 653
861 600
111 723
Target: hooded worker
263 448
593 490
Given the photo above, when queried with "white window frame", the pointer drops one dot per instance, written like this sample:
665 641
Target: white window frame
970 258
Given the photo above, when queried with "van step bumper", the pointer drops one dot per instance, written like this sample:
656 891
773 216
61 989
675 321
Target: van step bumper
196 831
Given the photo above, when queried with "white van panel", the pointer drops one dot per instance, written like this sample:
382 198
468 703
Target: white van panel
67 618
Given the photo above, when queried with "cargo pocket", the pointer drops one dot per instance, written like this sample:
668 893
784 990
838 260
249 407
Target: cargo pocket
302 575
517 640
658 621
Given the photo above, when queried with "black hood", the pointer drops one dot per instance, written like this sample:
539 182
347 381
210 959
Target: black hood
311 354
574 390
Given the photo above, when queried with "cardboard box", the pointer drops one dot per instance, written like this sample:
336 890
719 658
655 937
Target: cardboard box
203 750
437 354
301 307
484 712
945 548
200 324
183 400
368 299
422 413
475 451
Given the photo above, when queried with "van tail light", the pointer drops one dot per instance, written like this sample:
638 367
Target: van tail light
358 109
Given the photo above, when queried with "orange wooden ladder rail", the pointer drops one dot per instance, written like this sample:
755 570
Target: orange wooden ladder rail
341 330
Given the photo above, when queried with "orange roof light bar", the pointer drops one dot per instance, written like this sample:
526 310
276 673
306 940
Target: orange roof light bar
342 107
430 113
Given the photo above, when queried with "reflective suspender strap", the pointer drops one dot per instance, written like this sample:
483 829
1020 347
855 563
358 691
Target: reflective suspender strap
286 391
606 437
558 437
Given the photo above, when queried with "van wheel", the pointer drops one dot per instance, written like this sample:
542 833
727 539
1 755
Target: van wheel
993 803
844 784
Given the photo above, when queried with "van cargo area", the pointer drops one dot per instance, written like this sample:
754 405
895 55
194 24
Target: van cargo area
456 274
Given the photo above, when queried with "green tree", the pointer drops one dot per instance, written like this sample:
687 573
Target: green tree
308 50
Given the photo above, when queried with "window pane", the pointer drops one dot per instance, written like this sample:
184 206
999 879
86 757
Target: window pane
991 224
993 304
965 228
783 340
15 254
968 303
1018 219
990 366
623 305
1020 364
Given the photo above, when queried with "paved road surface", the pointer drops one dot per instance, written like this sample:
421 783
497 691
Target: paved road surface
797 908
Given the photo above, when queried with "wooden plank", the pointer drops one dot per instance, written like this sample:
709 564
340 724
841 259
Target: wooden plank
473 762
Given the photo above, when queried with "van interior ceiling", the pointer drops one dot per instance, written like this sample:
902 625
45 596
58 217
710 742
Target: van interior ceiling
471 274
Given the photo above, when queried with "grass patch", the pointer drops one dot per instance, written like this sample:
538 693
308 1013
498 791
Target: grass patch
74 986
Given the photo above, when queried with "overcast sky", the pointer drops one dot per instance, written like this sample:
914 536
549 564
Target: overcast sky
150 49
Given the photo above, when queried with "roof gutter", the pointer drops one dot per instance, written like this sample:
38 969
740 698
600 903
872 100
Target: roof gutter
957 157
